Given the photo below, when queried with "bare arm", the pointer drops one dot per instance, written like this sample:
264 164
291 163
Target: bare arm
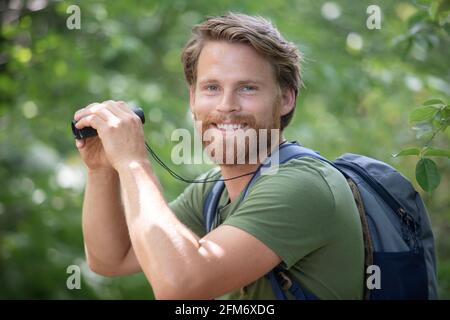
107 242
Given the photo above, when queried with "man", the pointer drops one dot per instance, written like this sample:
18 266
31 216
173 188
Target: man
242 75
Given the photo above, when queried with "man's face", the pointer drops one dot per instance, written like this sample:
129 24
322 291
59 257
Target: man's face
236 91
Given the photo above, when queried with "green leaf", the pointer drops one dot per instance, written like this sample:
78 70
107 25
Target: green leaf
408 152
434 102
443 13
417 18
434 9
427 174
435 152
445 114
423 129
422 114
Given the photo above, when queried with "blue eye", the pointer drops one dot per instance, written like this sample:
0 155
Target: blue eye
248 88
212 88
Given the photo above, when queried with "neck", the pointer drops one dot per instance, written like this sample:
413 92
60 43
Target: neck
235 186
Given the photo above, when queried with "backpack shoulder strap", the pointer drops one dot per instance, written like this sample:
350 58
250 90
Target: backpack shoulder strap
211 203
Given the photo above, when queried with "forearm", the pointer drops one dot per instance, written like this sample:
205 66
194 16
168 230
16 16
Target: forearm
167 250
105 230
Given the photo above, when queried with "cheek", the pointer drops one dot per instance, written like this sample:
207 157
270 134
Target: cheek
253 104
204 104
262 109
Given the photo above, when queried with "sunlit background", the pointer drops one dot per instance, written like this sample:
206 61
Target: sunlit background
360 85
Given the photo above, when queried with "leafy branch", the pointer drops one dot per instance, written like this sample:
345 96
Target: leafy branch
431 118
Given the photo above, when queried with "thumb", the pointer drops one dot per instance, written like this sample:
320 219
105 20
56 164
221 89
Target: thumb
80 143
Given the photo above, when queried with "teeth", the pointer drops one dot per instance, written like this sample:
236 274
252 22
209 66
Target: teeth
229 126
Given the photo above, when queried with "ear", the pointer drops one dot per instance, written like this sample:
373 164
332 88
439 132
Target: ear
192 97
287 101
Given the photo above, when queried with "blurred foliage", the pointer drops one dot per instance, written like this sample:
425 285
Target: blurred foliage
429 119
361 85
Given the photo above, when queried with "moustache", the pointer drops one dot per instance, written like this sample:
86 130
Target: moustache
215 118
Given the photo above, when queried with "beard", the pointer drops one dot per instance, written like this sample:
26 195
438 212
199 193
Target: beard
250 144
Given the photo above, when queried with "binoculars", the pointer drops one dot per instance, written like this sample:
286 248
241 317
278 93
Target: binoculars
91 132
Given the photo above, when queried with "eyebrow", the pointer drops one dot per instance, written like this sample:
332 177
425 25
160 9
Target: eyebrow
240 82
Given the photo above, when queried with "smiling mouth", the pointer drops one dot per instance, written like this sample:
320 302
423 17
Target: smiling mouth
230 126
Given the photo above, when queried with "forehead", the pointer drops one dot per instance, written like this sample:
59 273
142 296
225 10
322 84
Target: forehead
226 61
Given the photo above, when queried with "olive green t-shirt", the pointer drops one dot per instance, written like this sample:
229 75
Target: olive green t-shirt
305 213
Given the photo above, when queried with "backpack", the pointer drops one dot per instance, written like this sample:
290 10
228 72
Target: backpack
398 239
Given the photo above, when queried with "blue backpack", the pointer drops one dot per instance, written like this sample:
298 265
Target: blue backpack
396 228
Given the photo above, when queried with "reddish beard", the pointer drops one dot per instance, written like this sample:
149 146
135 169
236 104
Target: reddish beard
260 148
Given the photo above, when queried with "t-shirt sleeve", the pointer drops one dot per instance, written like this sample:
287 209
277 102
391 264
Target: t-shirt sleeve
291 212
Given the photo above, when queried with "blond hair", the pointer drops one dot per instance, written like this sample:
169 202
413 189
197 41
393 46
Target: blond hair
257 32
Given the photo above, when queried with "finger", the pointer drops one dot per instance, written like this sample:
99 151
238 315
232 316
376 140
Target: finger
92 120
80 143
95 110
109 116
84 111
119 108
123 106
124 109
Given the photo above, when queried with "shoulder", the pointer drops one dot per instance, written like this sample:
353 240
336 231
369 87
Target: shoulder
303 180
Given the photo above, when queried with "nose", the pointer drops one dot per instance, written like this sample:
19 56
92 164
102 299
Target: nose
228 102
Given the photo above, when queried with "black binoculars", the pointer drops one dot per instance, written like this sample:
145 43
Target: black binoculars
91 132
